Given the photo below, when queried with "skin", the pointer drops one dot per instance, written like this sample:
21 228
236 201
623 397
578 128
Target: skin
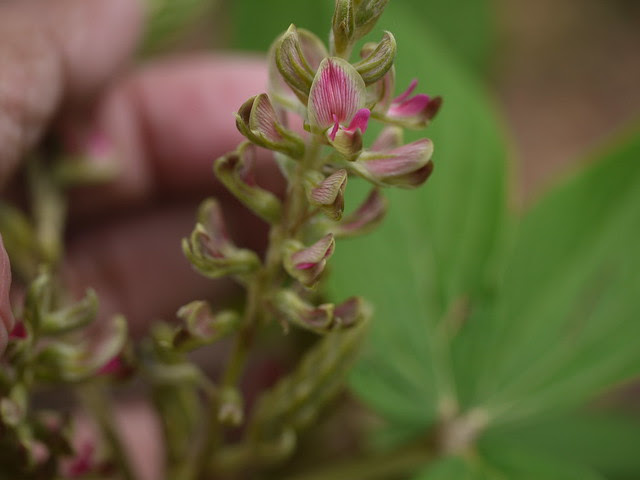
165 123
66 66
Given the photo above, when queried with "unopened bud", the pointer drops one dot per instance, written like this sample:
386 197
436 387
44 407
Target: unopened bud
343 28
367 13
329 194
366 218
407 166
71 318
299 312
378 61
202 326
257 121
13 407
211 251
78 362
313 51
292 64
235 171
352 312
307 264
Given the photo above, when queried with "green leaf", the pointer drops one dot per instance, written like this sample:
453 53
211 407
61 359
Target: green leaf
508 461
566 325
437 247
606 441
450 468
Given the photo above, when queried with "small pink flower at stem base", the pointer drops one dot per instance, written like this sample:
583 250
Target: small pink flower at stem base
336 105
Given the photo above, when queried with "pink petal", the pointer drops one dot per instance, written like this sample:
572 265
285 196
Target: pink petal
410 107
389 138
315 254
338 92
400 161
264 119
334 130
404 95
360 121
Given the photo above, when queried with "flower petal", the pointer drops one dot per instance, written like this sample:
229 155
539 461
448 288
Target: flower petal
360 121
316 253
408 108
337 91
404 95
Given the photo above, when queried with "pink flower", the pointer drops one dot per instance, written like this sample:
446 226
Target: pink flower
407 166
306 264
336 101
414 110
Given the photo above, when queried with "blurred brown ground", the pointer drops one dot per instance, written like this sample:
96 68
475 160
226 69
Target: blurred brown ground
567 77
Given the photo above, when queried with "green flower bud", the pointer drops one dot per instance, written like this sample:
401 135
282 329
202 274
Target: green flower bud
378 61
210 249
257 121
235 172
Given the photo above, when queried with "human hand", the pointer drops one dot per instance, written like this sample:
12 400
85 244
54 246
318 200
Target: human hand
64 66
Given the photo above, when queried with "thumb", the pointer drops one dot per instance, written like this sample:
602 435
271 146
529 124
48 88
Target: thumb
6 317
52 52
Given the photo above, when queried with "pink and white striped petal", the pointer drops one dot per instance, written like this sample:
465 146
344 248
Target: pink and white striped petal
337 94
407 166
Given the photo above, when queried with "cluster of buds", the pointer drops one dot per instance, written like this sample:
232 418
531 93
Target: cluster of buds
336 99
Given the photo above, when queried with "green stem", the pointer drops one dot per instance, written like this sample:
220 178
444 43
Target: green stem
98 404
382 466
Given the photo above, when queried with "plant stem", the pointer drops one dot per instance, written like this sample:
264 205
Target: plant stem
395 464
97 402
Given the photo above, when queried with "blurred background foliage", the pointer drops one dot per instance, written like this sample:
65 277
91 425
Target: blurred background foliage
530 314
